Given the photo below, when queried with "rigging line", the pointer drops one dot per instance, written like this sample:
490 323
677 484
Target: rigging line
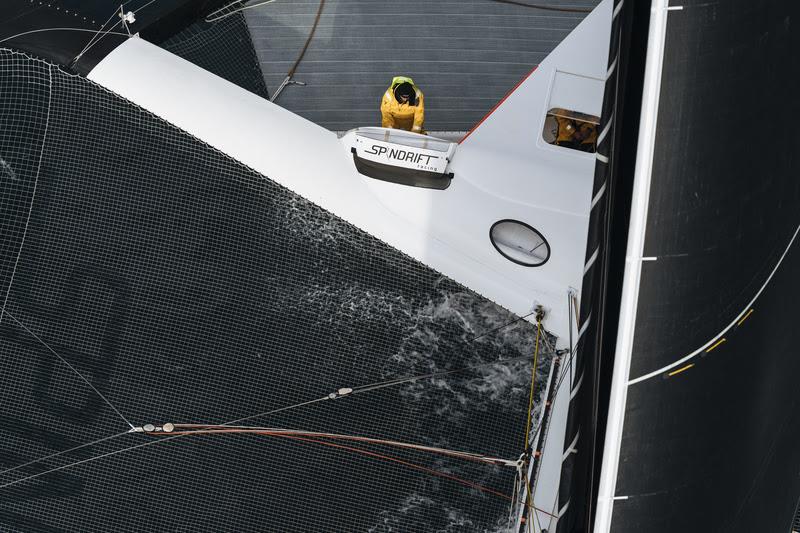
533 385
543 435
571 345
366 388
100 33
547 343
35 186
35 336
56 454
409 464
564 373
124 22
502 326
514 496
83 461
567 369
372 387
92 40
211 429
149 443
532 511
529 498
400 381
308 40
212 18
289 75
55 29
330 444
89 47
276 411
545 7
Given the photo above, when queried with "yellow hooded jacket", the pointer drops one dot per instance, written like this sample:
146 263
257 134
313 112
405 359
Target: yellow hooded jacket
402 116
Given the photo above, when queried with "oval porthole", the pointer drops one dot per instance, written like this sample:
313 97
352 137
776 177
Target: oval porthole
520 243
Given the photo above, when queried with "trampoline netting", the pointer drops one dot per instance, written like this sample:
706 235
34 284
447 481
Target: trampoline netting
187 288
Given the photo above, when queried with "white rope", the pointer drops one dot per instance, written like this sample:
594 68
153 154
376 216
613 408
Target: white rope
56 454
87 460
35 336
92 40
130 448
218 15
55 29
33 193
100 33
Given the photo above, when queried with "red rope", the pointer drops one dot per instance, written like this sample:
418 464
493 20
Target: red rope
204 430
388 458
415 466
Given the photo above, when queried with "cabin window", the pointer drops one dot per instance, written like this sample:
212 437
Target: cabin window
520 243
571 129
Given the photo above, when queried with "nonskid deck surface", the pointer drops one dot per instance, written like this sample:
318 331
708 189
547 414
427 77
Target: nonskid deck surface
465 55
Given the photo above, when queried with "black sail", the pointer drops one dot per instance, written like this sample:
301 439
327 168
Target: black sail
712 418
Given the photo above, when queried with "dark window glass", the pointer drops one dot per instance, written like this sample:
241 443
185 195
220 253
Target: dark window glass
571 129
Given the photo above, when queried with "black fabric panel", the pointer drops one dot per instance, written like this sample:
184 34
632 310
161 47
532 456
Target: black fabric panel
713 448
62 30
625 142
56 34
724 197
224 48
188 288
601 282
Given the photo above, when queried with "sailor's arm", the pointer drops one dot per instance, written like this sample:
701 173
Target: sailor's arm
387 118
419 113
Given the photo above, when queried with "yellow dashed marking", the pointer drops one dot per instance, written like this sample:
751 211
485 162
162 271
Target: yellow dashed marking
683 369
717 344
744 318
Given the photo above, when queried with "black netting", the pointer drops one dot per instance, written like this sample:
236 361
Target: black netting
223 47
187 288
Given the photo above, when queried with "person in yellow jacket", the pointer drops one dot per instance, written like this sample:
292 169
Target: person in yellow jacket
403 106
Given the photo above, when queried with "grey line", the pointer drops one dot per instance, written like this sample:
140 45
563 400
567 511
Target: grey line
52 29
141 445
56 454
35 336
89 459
35 185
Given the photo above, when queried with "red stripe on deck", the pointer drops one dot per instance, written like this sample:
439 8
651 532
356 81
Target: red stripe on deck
498 104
